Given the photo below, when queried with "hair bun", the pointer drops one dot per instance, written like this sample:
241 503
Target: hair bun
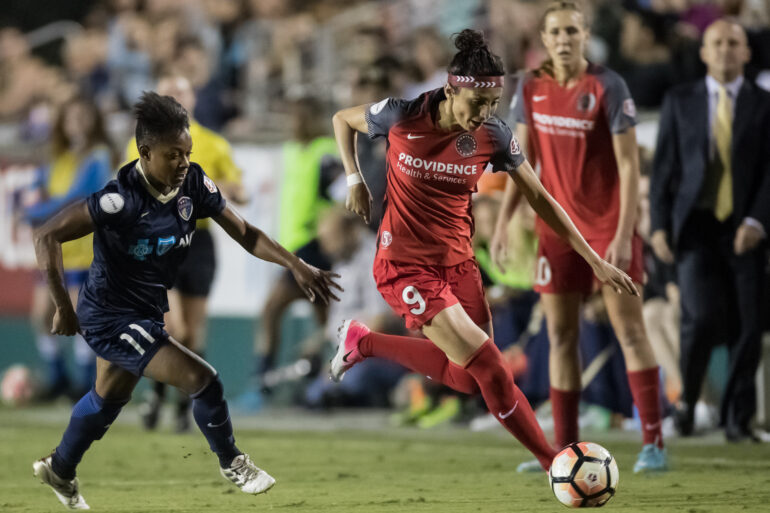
469 40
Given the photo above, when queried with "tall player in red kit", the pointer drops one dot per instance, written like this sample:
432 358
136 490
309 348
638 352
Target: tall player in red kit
438 146
578 122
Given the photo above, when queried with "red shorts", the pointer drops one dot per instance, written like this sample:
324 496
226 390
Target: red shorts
418 292
560 269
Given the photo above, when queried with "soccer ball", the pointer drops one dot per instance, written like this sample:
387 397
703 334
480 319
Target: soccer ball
584 475
16 388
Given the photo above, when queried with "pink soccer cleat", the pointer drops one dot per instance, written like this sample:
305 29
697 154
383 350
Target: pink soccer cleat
349 334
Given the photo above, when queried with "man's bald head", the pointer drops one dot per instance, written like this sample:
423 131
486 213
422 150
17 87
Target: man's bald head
725 50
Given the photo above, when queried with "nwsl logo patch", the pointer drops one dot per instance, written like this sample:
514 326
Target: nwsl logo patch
466 145
185 207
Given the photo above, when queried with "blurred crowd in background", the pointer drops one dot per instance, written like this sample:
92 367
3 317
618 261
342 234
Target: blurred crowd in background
247 58
273 71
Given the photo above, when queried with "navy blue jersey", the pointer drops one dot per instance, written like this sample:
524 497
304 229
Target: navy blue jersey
140 239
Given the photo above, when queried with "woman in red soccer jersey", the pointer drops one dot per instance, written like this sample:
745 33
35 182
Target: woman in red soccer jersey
438 146
578 121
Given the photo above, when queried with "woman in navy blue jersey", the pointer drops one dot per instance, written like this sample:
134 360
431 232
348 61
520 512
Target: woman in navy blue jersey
143 223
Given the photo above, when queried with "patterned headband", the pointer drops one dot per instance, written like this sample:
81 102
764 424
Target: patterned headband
474 82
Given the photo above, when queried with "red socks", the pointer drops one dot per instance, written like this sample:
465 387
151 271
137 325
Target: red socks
419 355
507 403
564 407
486 372
645 390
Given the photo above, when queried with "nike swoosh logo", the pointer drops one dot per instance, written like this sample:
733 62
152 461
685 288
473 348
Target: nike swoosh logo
539 98
144 214
410 136
652 426
345 357
509 412
210 425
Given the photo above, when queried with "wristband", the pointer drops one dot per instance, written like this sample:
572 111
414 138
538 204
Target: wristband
354 179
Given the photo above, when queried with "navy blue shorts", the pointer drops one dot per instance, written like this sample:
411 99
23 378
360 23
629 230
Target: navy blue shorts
129 344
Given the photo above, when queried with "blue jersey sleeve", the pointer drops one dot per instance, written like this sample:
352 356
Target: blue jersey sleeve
380 117
618 104
507 154
210 202
111 207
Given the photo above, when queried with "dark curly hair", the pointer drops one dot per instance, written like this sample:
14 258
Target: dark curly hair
158 118
474 57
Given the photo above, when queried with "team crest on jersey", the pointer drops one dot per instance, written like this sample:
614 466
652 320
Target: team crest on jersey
515 150
386 239
586 102
210 185
185 207
164 244
466 145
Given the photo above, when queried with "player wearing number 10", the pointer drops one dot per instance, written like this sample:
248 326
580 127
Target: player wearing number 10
438 147
143 223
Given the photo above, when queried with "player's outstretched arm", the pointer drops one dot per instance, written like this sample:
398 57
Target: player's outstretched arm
314 282
498 247
553 214
346 123
627 158
71 223
511 197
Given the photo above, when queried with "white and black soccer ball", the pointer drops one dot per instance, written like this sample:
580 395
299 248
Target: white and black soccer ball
584 475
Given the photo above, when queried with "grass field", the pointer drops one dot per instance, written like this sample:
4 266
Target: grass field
320 469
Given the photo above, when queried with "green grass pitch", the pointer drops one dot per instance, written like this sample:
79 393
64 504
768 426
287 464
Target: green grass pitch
385 470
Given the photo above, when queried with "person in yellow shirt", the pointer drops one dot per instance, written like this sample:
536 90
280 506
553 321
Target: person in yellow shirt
186 319
81 163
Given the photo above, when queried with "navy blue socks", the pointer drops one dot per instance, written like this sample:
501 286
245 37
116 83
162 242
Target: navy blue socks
213 418
91 417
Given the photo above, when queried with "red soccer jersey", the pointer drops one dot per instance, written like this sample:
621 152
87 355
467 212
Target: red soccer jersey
431 175
570 137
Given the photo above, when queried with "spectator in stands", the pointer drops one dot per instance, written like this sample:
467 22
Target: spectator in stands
85 60
25 79
430 56
710 198
192 61
81 163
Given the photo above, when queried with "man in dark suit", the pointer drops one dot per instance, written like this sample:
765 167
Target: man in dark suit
710 209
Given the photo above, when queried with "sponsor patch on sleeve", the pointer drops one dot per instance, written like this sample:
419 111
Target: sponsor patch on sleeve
112 203
210 185
629 108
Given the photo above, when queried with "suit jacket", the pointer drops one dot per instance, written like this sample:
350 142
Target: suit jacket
682 156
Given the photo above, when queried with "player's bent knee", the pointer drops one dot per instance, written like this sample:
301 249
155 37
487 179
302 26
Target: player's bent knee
213 389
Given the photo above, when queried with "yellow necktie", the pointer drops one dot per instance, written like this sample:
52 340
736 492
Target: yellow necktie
723 135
